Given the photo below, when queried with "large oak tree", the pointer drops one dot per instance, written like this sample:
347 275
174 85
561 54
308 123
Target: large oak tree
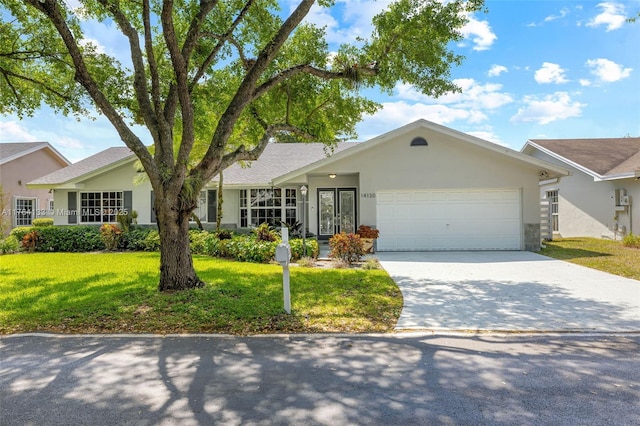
214 81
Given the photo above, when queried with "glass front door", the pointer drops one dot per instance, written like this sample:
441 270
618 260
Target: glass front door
336 211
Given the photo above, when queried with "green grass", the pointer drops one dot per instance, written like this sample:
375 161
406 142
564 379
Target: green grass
117 292
605 255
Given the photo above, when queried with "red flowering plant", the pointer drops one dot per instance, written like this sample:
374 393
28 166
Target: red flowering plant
365 231
110 235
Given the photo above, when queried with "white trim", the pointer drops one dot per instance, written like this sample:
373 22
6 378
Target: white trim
35 149
357 148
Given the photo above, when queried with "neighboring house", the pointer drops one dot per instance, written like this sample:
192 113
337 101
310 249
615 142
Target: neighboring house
601 197
424 186
23 162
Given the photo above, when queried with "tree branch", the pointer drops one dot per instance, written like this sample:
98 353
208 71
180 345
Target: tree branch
347 74
51 9
243 95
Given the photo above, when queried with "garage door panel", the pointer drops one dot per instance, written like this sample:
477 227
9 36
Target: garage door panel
449 220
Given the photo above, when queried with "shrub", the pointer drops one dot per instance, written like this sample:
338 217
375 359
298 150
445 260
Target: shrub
632 241
20 231
224 234
152 241
346 247
76 238
9 245
42 222
30 240
313 250
125 220
265 232
110 235
371 263
134 239
306 262
247 249
198 241
365 231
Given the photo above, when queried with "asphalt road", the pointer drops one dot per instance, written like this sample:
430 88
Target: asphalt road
398 379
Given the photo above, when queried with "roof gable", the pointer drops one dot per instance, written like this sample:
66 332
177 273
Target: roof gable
90 166
14 150
545 166
601 158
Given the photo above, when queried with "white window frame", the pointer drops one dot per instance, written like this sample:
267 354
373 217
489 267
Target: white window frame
285 205
553 196
23 215
201 209
106 213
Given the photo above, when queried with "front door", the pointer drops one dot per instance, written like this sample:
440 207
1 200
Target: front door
336 211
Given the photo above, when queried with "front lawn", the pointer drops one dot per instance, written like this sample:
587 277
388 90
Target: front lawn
605 255
117 293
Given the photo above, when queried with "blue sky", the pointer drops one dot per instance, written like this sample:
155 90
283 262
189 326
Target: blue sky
533 69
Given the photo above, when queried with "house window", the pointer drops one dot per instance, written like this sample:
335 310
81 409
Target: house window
271 205
201 210
100 207
552 196
25 209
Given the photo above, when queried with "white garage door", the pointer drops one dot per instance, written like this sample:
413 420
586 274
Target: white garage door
487 219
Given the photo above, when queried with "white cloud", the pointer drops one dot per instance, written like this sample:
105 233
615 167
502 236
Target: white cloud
395 114
487 135
98 47
608 71
550 73
474 96
557 106
585 83
564 12
12 131
479 32
496 70
354 20
612 15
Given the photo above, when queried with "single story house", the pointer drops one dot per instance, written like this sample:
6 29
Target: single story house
20 163
424 186
601 197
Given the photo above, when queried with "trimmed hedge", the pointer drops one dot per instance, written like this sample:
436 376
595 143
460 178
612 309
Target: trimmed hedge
83 238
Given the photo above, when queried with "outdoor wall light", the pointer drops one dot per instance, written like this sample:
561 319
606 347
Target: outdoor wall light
332 175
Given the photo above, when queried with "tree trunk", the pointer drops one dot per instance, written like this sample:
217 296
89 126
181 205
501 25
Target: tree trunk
176 264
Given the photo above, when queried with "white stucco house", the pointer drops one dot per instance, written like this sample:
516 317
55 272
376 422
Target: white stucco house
601 197
424 186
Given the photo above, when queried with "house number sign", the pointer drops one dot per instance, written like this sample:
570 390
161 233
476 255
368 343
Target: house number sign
367 195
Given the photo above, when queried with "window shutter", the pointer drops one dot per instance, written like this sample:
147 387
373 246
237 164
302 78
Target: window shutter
127 200
72 207
212 205
153 210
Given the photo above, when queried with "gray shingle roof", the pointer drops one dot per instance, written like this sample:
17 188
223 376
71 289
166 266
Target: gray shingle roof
279 159
83 167
9 151
276 160
605 157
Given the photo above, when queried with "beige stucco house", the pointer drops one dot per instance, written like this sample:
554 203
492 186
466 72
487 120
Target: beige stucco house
601 197
22 162
424 186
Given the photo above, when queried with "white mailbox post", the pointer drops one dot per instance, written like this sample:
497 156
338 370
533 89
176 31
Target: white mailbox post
283 256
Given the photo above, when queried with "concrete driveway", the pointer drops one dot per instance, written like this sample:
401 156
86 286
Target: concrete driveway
523 291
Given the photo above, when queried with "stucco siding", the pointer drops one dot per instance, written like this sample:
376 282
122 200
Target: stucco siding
445 163
586 207
15 175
